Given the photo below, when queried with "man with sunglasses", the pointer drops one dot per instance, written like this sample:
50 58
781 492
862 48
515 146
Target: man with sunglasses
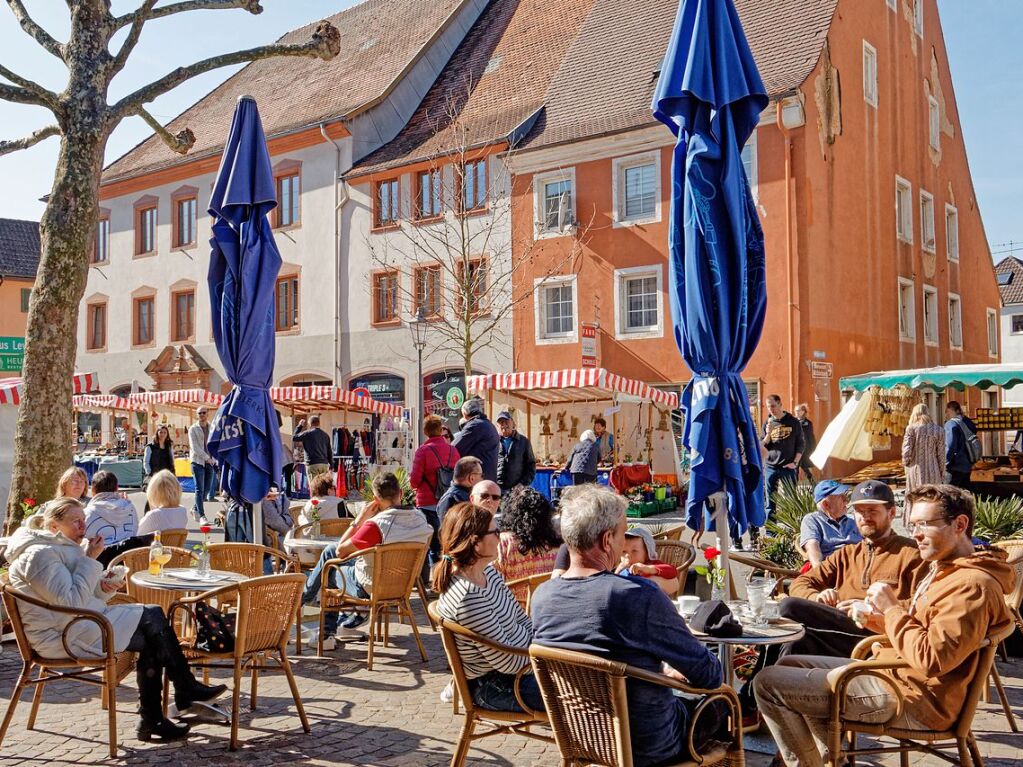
937 631
487 495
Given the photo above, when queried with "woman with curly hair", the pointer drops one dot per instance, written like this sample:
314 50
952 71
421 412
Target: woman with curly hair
529 544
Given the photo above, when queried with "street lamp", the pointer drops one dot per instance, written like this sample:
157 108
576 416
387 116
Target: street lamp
418 328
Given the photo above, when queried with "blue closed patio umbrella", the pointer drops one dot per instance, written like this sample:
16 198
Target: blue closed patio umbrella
244 262
710 95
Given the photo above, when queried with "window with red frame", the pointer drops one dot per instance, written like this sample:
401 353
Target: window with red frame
472 285
387 202
385 297
429 202
474 185
287 304
428 291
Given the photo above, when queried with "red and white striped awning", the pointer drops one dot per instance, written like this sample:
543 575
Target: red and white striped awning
13 389
308 399
93 402
558 386
190 398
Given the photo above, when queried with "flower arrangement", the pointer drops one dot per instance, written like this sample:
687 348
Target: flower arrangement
28 507
314 512
713 572
204 547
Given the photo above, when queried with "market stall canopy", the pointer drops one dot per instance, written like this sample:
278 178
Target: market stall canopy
13 389
99 402
550 387
187 398
309 399
943 376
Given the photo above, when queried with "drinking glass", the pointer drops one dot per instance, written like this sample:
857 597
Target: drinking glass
162 559
757 590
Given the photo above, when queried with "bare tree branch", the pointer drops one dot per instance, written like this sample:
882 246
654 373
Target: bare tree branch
20 95
48 98
325 44
252 6
134 34
6 147
35 31
179 143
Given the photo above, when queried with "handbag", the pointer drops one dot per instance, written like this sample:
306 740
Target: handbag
214 632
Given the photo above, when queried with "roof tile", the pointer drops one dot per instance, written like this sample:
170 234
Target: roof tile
1013 292
19 248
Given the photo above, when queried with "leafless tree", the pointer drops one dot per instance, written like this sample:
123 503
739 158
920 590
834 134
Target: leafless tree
84 118
458 259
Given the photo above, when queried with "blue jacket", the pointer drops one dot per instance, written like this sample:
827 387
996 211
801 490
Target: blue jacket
957 457
479 439
584 458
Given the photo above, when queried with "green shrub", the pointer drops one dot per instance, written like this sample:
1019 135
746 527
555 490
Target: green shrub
791 503
998 519
408 494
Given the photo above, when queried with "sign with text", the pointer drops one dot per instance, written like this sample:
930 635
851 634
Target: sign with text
12 354
591 354
821 369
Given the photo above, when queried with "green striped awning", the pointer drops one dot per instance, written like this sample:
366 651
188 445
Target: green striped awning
956 377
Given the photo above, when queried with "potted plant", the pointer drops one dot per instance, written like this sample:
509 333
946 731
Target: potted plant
998 519
791 503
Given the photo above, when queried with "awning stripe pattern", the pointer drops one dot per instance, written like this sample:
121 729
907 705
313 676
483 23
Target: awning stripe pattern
312 397
13 389
573 384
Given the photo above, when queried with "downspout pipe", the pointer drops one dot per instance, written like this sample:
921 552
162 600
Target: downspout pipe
341 197
789 270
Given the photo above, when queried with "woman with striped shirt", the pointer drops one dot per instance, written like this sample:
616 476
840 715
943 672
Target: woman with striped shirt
473 594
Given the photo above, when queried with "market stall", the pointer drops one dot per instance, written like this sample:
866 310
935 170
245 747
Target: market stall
366 434
176 409
553 407
118 456
875 417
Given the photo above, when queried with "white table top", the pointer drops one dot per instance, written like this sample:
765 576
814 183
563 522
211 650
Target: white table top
321 542
185 579
776 632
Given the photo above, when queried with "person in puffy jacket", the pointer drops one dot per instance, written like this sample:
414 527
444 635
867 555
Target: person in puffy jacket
432 455
50 563
582 461
478 438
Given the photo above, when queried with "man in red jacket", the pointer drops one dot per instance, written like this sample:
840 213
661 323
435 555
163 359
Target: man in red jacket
432 456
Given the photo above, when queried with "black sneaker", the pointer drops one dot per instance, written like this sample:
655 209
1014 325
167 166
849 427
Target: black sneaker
198 693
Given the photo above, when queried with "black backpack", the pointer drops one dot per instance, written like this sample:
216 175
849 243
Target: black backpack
445 475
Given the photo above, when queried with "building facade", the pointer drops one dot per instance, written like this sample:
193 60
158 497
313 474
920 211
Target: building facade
19 261
1009 275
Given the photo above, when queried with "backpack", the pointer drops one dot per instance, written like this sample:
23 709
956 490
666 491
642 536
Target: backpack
973 449
445 475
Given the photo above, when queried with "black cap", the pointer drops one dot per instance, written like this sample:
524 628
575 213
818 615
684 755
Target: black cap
872 491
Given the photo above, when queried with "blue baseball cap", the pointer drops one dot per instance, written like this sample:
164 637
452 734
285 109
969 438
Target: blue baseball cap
828 487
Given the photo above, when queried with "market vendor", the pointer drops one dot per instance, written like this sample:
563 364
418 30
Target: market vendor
605 440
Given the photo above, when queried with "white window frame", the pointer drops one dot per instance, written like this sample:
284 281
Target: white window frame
539 316
869 74
918 17
952 237
932 324
907 288
1011 331
620 308
618 168
903 227
753 145
933 123
930 244
955 300
540 180
992 333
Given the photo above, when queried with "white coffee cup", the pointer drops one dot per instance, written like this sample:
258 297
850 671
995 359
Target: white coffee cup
687 604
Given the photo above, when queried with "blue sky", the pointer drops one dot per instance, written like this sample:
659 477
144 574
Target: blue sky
982 37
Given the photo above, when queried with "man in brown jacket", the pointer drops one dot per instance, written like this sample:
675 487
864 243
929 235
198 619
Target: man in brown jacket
937 632
822 599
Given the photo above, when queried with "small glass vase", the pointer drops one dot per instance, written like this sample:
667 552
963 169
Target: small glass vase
717 591
202 566
314 530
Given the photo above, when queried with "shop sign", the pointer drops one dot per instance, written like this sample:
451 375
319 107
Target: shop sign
454 398
385 388
820 369
12 354
589 344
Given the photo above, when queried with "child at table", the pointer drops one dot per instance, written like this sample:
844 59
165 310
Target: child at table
639 559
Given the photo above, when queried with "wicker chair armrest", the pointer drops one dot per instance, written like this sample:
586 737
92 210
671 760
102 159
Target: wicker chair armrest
758 563
527 669
335 564
455 628
857 670
865 647
106 631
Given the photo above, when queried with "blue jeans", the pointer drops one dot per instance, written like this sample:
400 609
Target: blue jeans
495 691
775 475
205 477
312 586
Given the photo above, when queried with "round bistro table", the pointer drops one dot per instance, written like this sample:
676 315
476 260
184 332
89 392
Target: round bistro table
778 631
185 580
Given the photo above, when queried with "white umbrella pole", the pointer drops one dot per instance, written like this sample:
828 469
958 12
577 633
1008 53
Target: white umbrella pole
719 504
257 522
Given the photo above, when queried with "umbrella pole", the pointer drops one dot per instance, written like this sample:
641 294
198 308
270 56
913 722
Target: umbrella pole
719 504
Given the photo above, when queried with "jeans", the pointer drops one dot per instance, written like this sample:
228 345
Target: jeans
312 586
775 475
795 700
430 512
205 477
495 691
159 650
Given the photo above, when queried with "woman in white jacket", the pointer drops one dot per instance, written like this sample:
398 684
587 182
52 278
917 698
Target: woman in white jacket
51 561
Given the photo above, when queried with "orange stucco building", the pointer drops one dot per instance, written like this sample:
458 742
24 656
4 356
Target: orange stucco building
19 259
876 252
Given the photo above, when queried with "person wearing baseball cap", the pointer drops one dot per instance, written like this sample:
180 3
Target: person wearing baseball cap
825 531
478 438
516 464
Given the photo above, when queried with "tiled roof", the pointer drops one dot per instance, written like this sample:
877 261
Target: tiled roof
607 80
1012 292
378 39
19 248
496 79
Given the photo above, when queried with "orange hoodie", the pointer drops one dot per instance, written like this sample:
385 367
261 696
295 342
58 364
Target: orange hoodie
962 605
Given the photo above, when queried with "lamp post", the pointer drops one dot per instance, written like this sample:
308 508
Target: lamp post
418 327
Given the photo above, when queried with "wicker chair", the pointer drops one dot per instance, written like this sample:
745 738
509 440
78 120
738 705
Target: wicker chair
175 538
500 722
1015 551
396 568
758 564
247 558
589 710
681 555
926 741
266 612
329 528
672 533
137 561
523 589
106 670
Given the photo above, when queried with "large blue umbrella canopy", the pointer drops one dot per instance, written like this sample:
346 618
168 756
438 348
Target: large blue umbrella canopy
244 262
710 95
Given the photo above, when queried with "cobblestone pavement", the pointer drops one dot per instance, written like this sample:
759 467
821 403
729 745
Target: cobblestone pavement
389 717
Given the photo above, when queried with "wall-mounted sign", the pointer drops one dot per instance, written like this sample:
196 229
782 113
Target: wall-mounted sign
591 354
821 369
12 354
